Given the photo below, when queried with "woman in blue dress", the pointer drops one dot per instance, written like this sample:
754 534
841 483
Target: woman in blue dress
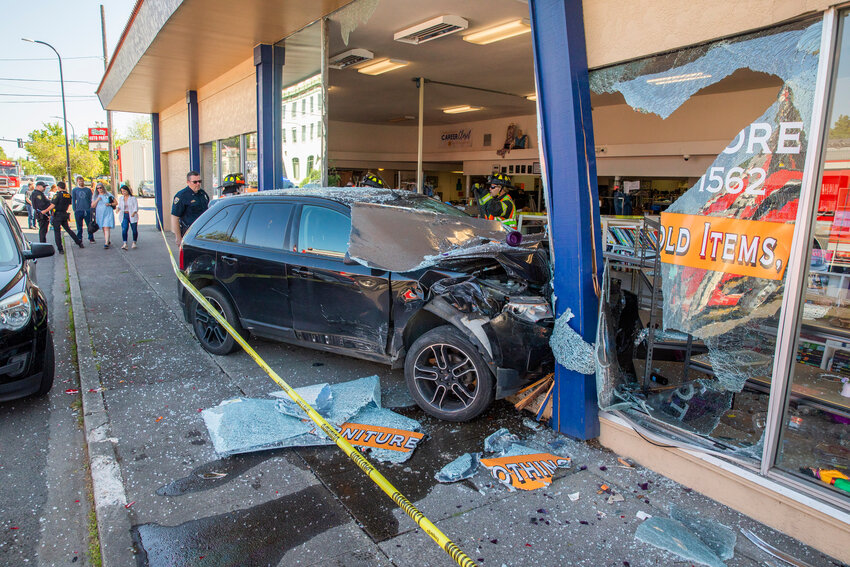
104 212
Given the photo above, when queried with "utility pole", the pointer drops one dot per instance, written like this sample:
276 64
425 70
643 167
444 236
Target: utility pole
108 112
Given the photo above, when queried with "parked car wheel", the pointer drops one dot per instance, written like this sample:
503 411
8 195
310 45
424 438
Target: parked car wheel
49 367
447 376
213 337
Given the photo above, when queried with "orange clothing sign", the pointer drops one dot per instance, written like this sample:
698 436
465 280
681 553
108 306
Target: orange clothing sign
736 246
380 437
526 472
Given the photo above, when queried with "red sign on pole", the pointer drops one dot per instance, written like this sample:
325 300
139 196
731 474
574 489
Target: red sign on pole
98 134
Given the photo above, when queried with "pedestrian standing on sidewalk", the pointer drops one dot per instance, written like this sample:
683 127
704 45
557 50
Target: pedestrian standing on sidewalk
59 205
189 203
128 212
30 208
103 204
41 206
81 199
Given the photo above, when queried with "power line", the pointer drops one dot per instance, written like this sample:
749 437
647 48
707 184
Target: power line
47 81
49 58
47 95
2 102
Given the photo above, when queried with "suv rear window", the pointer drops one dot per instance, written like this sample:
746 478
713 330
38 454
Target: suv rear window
323 231
218 227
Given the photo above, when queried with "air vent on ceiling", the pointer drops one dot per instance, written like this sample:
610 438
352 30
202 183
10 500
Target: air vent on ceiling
432 29
349 58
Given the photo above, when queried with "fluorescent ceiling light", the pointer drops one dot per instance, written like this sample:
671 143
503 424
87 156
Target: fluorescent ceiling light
382 66
462 108
500 32
432 29
532 97
678 78
349 58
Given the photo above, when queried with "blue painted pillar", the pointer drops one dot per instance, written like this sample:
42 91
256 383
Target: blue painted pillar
567 149
268 59
157 169
194 133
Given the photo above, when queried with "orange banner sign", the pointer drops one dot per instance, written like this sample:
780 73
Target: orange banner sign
380 437
526 472
735 246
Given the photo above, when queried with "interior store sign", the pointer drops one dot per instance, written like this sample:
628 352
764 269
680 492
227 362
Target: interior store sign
460 138
734 246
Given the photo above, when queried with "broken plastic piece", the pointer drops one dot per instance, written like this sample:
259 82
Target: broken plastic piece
570 350
500 441
574 496
461 468
641 515
615 498
673 536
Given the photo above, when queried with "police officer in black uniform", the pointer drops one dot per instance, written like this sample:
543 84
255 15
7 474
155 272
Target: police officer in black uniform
41 205
59 205
189 203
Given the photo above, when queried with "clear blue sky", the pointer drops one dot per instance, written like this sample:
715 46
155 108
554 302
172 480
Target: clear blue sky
73 28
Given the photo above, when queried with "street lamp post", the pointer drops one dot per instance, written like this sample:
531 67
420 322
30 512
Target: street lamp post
73 131
64 112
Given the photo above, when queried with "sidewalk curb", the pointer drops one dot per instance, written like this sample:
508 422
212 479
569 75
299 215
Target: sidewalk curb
113 519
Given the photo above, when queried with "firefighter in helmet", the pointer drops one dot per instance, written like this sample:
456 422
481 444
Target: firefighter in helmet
494 203
372 180
232 184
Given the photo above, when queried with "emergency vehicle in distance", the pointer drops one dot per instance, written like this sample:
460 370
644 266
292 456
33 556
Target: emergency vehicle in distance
10 177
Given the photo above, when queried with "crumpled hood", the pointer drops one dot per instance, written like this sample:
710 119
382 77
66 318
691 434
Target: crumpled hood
400 239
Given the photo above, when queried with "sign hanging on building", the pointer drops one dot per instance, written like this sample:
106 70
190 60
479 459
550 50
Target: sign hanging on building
98 139
460 138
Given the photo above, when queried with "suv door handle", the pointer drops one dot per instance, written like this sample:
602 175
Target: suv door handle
303 272
229 259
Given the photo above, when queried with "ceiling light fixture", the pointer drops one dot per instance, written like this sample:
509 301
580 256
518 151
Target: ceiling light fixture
461 108
678 78
432 29
382 66
500 32
349 58
531 97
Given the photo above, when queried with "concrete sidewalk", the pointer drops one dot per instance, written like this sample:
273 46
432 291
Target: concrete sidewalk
165 498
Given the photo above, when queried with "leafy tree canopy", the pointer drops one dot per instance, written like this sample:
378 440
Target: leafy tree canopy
46 147
841 128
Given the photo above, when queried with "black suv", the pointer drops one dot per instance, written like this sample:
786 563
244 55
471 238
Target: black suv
26 345
389 276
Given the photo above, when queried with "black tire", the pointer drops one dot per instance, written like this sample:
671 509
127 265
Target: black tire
447 376
212 336
49 369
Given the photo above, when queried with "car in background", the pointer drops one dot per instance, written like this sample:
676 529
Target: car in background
469 325
26 344
146 189
48 179
18 203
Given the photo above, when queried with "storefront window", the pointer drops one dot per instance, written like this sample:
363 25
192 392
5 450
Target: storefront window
688 329
815 441
231 157
302 81
252 172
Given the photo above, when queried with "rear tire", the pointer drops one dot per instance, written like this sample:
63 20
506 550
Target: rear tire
49 369
212 336
447 376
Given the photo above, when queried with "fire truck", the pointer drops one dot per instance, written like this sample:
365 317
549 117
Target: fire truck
10 177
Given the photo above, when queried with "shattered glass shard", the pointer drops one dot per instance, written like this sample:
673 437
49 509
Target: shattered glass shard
500 441
719 538
319 396
461 468
674 537
570 350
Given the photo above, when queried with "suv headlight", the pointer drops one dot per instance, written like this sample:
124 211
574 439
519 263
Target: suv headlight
15 311
531 309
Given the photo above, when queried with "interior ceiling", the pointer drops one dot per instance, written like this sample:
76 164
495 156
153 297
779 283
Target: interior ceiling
505 66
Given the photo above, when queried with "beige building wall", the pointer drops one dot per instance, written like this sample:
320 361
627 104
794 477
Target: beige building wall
619 31
227 106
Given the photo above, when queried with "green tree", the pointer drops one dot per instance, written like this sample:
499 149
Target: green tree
841 128
140 129
46 147
3 153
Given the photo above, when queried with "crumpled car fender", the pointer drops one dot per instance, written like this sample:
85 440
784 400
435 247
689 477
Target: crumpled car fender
470 326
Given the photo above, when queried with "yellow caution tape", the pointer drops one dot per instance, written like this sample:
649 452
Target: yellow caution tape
401 501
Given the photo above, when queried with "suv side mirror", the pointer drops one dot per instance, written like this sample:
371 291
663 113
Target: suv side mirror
38 250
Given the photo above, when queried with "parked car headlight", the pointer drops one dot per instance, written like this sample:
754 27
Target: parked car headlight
531 309
15 311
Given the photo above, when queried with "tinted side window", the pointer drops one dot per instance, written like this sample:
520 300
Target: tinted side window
218 227
267 225
323 231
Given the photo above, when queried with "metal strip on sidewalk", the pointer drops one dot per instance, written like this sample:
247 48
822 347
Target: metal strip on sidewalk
401 501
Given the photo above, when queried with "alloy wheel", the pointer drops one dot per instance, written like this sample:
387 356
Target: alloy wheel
446 377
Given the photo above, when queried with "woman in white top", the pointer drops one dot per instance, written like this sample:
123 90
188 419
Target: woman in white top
128 212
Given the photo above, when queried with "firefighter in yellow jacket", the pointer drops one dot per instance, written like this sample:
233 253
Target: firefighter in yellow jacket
494 203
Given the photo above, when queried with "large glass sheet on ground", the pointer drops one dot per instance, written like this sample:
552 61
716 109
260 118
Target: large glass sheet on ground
815 440
690 340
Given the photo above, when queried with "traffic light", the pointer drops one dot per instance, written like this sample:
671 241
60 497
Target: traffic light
20 143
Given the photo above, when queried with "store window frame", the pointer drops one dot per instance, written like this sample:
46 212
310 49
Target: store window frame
796 283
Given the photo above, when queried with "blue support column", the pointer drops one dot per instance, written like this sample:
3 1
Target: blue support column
157 169
268 59
567 148
194 133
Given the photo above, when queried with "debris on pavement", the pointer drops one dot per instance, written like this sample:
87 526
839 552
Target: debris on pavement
574 496
767 548
536 398
465 466
500 441
244 425
690 537
641 515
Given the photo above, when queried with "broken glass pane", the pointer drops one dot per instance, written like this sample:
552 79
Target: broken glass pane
570 350
465 466
673 536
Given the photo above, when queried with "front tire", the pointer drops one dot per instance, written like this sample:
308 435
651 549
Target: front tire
212 336
447 377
